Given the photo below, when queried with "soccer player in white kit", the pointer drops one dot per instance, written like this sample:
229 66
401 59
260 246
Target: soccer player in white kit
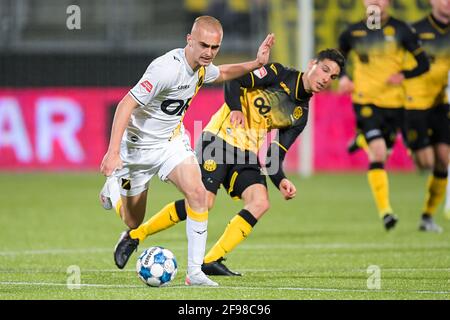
147 137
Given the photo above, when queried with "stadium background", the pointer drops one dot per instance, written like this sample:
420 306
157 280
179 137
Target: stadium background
59 87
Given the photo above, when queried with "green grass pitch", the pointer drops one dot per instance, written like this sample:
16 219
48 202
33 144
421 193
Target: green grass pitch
317 246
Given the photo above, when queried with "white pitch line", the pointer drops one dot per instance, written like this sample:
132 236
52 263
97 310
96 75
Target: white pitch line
347 246
291 246
298 270
56 251
18 283
88 285
350 270
409 269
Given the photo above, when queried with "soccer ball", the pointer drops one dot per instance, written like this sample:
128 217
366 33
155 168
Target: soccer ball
156 266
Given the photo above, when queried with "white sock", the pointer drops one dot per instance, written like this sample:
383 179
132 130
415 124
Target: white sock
114 191
196 234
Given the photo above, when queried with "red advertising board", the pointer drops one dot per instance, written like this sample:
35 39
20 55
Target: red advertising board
68 129
54 129
334 127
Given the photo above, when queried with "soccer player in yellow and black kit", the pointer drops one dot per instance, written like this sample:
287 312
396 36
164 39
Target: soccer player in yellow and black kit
427 109
272 97
377 94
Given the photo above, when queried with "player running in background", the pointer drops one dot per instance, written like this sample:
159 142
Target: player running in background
377 93
272 97
427 109
148 138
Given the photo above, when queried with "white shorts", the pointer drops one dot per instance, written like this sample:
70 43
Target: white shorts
140 165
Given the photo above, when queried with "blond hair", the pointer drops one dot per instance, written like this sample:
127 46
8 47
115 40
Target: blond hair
207 22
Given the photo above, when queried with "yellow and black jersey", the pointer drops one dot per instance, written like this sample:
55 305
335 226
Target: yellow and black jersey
429 89
380 54
272 97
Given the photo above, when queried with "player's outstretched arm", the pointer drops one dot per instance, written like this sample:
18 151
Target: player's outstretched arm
233 71
111 160
411 43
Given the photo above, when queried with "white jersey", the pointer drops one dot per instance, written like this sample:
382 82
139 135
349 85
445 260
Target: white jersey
164 92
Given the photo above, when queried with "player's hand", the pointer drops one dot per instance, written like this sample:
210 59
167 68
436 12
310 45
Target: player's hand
396 79
237 119
346 85
264 50
111 161
287 189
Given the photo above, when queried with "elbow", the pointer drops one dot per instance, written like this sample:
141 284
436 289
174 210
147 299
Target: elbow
220 78
223 76
424 63
424 69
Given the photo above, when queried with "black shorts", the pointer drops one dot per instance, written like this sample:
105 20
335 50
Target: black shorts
375 122
222 163
427 127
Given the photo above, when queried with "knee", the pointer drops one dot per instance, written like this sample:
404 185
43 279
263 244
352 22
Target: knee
425 165
441 166
424 159
196 196
379 156
265 206
377 151
259 207
210 203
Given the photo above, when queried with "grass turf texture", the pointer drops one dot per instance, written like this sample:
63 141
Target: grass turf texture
317 246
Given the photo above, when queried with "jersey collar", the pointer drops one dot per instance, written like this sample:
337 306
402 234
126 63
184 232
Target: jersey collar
439 26
188 67
300 92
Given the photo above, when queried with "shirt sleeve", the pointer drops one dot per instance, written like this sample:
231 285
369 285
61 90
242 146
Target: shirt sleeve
276 153
345 46
154 80
411 43
263 77
212 73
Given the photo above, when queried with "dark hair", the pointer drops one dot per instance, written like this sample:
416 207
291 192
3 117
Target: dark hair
333 55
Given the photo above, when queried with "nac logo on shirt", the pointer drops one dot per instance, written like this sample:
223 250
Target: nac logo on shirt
126 184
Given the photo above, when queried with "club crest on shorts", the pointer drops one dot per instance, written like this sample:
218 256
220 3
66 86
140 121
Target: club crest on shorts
366 111
210 165
412 135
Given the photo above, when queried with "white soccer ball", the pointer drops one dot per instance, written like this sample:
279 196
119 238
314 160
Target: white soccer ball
156 266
